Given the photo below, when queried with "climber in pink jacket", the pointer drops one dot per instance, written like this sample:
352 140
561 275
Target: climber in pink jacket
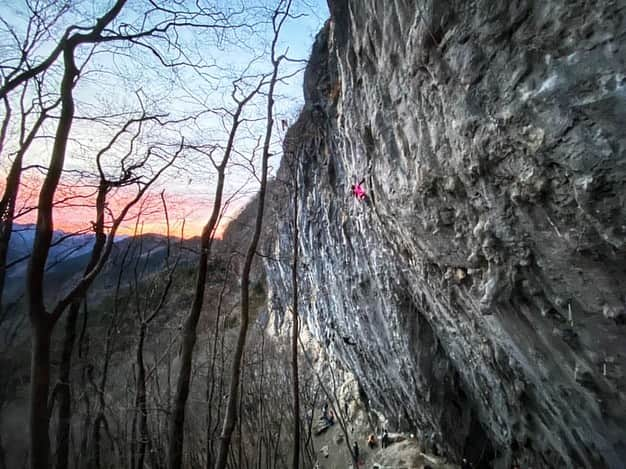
358 191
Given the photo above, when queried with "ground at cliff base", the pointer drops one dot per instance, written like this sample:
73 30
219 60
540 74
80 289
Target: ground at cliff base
406 454
332 451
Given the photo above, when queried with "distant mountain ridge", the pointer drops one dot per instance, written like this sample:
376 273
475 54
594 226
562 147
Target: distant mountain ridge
69 255
64 243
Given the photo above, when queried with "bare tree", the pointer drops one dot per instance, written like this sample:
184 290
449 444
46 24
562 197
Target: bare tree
94 455
281 13
2 460
332 397
43 321
211 373
106 184
144 319
189 334
12 185
295 322
310 402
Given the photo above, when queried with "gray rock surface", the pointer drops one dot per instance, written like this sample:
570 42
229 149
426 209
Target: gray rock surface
483 282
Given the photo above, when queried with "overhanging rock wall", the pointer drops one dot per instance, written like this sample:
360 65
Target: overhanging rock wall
484 281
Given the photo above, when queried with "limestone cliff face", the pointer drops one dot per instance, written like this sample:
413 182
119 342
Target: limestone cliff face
484 280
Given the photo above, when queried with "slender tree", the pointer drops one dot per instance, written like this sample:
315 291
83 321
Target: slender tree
331 396
189 332
281 13
93 456
62 391
211 374
145 318
2 460
42 322
295 320
13 180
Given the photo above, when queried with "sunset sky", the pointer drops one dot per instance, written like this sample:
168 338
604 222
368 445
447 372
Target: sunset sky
116 82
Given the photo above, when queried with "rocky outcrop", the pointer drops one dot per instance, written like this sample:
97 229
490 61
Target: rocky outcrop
479 294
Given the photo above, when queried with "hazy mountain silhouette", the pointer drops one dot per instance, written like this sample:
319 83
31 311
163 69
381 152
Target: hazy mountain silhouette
68 257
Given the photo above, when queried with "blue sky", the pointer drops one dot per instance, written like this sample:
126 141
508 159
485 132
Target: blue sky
114 79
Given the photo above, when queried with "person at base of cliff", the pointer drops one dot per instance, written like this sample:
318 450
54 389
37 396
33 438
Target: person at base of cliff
465 464
384 441
371 441
358 191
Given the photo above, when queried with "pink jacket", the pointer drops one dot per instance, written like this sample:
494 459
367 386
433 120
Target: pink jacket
358 191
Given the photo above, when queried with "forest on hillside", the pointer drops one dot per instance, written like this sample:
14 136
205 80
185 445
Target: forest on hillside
121 347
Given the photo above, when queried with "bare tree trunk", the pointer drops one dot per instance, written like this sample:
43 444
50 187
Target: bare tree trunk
277 454
2 457
231 408
7 213
40 320
97 453
63 389
43 323
141 399
309 444
220 382
294 339
210 391
40 379
141 428
177 422
94 458
12 185
261 401
100 390
240 432
133 432
83 455
332 397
